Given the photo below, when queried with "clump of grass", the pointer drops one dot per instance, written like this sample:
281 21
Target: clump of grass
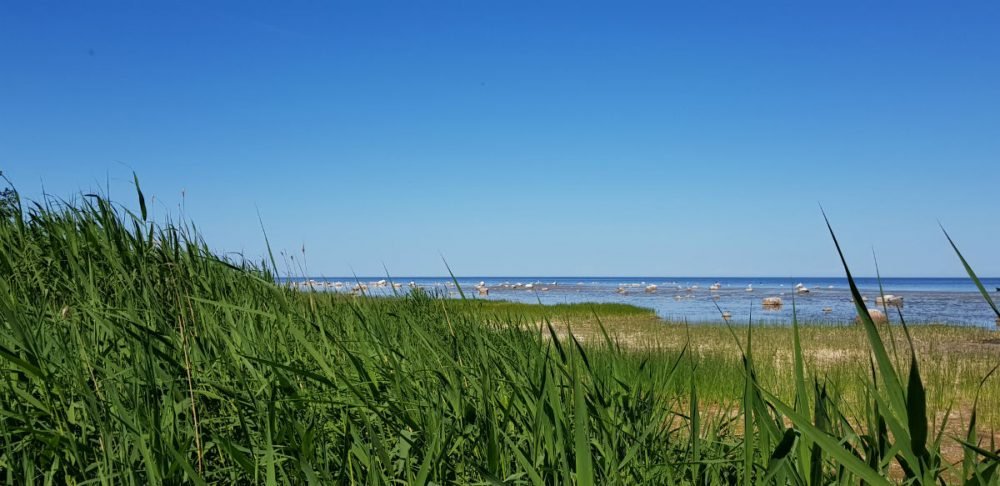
130 354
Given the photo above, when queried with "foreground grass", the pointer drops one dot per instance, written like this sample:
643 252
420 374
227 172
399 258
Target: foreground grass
129 354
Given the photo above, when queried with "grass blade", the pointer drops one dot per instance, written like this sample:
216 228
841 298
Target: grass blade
972 274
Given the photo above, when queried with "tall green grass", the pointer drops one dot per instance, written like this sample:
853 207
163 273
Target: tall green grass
130 354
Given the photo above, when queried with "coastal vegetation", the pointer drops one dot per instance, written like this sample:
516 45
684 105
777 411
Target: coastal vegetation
131 354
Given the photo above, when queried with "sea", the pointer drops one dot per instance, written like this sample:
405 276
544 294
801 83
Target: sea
954 301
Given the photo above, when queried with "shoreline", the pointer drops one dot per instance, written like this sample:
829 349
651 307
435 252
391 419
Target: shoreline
953 359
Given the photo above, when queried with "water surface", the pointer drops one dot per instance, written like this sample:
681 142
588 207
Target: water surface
925 300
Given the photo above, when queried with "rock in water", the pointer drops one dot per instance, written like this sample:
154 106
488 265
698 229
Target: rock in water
877 316
772 302
889 299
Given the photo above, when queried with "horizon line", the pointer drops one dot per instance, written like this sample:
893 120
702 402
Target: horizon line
350 277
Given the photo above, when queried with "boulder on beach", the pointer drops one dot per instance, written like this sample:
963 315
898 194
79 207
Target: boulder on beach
772 302
650 288
877 316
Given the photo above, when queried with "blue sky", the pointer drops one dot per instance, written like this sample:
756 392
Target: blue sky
525 138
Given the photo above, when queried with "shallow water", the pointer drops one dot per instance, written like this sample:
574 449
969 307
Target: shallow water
925 300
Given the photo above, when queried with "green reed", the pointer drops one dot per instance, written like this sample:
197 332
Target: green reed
130 354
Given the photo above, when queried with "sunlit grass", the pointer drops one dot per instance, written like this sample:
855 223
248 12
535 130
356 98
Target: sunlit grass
129 354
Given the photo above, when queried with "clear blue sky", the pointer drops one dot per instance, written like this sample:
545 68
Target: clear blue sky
534 138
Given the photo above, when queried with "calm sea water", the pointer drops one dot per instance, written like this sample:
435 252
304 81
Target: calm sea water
925 300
